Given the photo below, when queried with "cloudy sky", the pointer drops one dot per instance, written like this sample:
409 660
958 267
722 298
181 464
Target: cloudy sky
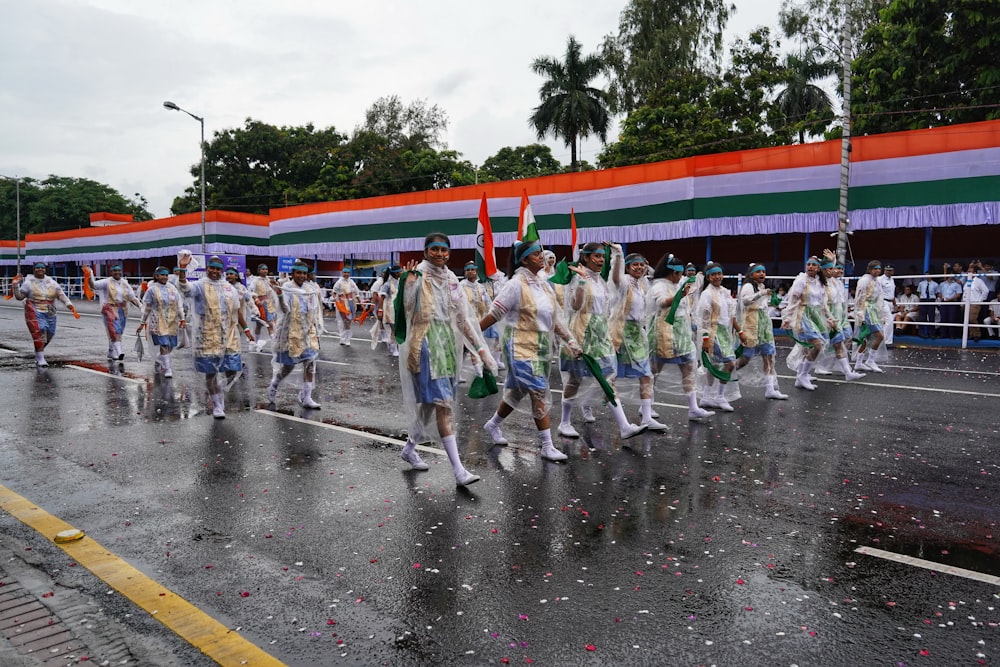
83 81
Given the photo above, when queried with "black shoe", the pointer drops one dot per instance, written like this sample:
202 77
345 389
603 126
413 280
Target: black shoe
121 357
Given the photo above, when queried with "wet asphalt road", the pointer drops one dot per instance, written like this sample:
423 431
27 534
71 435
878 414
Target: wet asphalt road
731 542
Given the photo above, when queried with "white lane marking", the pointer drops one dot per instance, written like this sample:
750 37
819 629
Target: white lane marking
929 565
351 431
942 370
107 375
8 351
881 385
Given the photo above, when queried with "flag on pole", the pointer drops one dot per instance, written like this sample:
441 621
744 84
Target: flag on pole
526 230
486 261
572 235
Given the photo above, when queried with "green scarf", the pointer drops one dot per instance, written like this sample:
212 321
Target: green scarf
706 361
483 386
595 370
678 296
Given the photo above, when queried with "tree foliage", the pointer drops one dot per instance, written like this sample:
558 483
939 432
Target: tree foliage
61 202
804 106
259 166
571 108
698 112
819 24
511 164
659 40
928 63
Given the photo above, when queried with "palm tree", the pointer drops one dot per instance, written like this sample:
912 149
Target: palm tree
802 102
571 109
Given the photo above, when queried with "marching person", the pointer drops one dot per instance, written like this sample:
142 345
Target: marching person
250 311
346 293
40 293
530 317
115 295
164 305
868 311
716 317
633 339
266 302
218 319
808 319
296 340
589 302
385 308
754 298
670 327
432 320
887 287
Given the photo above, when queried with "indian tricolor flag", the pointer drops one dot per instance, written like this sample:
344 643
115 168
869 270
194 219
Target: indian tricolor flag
526 230
572 234
486 261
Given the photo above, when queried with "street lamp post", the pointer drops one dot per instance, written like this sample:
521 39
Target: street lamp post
173 107
17 190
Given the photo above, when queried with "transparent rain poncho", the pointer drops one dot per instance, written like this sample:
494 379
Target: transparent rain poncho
437 324
630 335
672 344
716 308
214 328
590 303
531 324
755 323
163 311
806 315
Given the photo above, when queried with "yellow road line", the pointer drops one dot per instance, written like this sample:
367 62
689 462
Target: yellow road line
206 634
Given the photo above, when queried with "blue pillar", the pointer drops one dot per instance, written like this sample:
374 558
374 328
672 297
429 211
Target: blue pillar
927 249
805 257
708 249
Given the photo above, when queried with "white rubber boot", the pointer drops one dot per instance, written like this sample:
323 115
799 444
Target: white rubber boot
802 379
845 368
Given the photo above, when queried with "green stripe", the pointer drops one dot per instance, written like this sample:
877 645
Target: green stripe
179 242
927 193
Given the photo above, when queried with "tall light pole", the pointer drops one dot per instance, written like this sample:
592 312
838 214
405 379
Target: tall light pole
17 190
173 107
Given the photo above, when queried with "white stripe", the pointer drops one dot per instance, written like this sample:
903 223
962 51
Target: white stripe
882 385
8 351
929 565
662 405
319 361
107 375
343 429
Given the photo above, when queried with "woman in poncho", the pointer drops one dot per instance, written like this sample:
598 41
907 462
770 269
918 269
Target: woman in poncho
668 307
433 321
296 339
808 320
163 315
758 333
716 318
530 319
589 300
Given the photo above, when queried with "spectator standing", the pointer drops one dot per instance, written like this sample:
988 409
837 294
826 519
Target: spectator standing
975 293
887 287
927 293
951 311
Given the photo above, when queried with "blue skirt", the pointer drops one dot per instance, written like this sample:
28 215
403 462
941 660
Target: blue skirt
762 350
431 390
224 364
286 359
164 341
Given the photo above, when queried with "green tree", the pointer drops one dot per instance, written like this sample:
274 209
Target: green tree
62 202
571 108
819 24
805 107
511 164
659 40
928 63
260 166
699 113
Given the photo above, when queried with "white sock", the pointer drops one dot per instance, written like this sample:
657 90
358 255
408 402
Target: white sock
646 409
495 420
567 409
692 400
451 447
545 436
620 417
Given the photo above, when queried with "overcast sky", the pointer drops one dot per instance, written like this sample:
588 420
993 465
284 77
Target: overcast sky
83 81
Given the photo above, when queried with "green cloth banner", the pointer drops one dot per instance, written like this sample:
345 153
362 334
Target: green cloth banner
678 297
595 370
706 361
400 309
483 386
